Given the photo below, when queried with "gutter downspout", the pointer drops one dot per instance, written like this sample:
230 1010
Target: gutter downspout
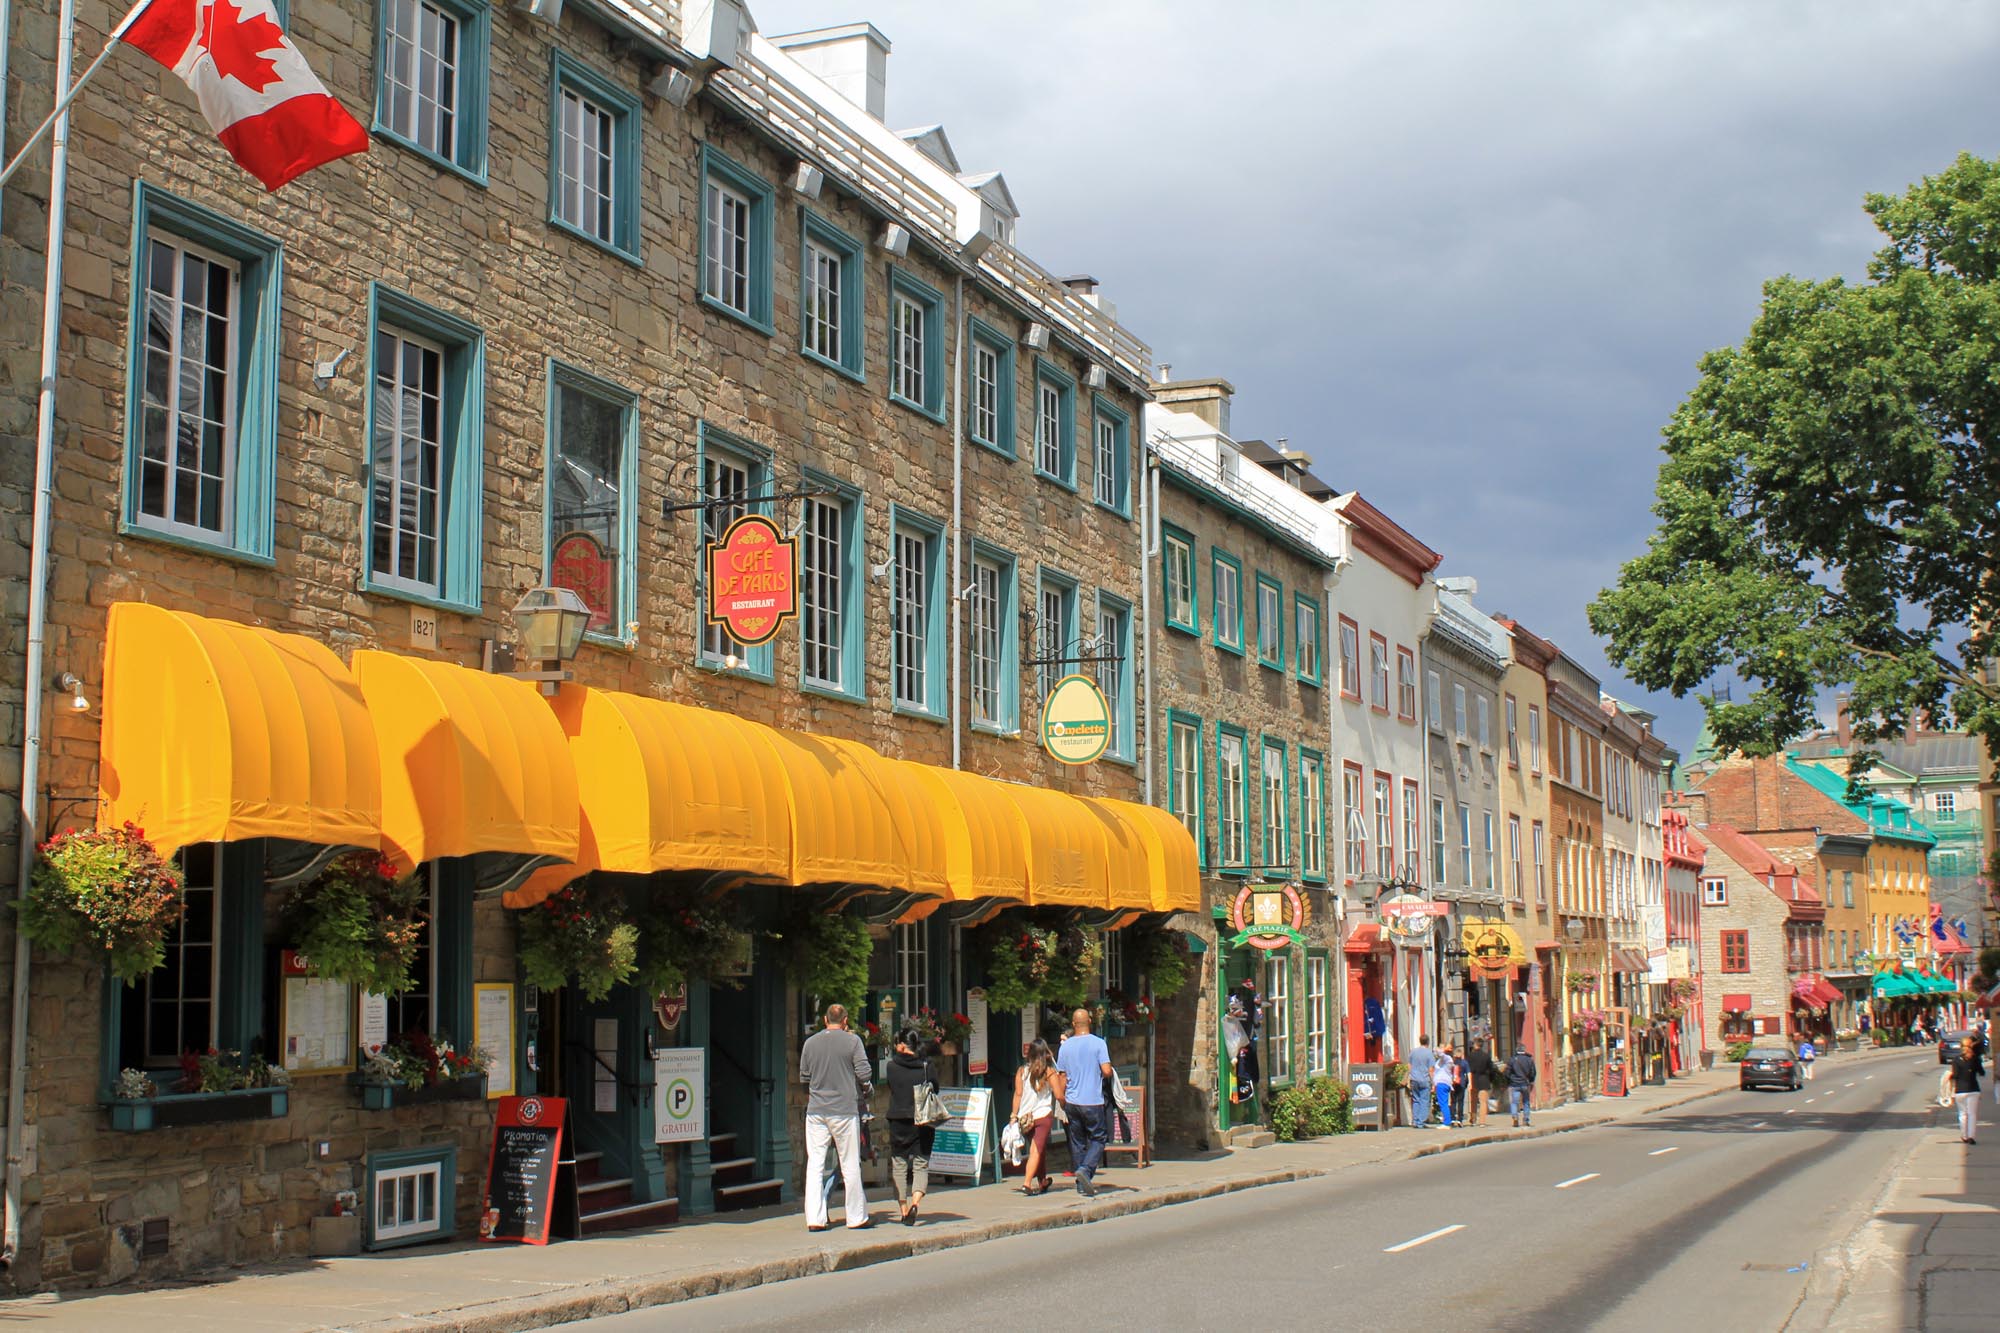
38 609
1149 528
957 520
6 46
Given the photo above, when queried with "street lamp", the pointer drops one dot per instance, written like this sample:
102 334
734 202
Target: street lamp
551 621
1574 928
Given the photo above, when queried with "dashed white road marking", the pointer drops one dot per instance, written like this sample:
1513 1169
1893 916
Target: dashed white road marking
1793 1111
1849 1085
1662 1152
1425 1239
1578 1180
1811 1100
1761 1123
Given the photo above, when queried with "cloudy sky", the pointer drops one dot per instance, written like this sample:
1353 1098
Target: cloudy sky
1463 254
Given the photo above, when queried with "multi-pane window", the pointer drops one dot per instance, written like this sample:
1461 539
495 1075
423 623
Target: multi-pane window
408 461
1114 656
1437 840
1847 888
1184 789
405 1202
1541 867
1534 738
1515 880
1406 685
422 85
1434 700
1458 712
1316 1014
985 392
187 436
1312 816
1350 659
1056 605
414 1010
1048 428
1177 561
726 219
987 611
1736 951
1305 639
1385 827
1353 824
1228 602
1465 844
1231 796
1946 805
1511 719
1111 962
1715 892
1277 822
1270 626
824 560
1491 846
587 165
1413 855
909 357
910 618
588 497
913 965
1378 673
727 487
1278 1016
179 996
825 278
1109 470
1483 711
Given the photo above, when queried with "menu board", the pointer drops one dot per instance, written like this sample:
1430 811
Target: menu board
521 1170
316 1021
976 1044
493 1032
962 1142
1128 1128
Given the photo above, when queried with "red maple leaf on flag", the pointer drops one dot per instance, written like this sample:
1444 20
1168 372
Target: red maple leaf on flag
237 44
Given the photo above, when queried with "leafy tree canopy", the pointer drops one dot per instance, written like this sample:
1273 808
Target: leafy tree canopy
1829 508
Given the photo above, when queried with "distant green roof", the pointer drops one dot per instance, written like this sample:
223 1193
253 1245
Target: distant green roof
1885 818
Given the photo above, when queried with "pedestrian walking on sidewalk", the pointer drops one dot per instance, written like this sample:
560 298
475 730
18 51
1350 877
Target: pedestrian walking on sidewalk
833 1064
1521 1086
1443 1080
1423 1073
909 1142
1479 1079
1965 1072
1461 1081
1808 1053
1082 1065
1035 1114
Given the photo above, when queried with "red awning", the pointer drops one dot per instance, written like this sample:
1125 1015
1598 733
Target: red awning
1828 992
1364 938
1814 993
1736 1004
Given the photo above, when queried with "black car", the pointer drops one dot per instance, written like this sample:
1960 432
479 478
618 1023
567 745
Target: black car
1771 1067
1949 1043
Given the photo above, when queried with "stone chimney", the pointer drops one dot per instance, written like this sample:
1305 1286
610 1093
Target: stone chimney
853 59
1207 399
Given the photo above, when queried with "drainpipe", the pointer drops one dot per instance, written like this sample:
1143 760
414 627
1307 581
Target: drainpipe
958 570
38 611
1149 529
6 46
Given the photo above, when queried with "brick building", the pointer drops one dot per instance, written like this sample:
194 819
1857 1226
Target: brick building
1524 806
1576 821
1686 859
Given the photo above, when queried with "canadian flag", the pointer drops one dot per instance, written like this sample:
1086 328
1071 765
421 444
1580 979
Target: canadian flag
275 118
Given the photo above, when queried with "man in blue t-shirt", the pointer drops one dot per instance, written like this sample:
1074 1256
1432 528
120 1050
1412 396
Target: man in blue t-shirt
1082 1065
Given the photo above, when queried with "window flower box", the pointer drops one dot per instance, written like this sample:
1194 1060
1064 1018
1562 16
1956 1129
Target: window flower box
176 1110
379 1096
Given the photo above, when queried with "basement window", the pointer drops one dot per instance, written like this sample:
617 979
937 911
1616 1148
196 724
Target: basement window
411 1196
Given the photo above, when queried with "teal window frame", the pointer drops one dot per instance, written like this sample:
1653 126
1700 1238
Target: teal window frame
1301 637
762 198
568 74
1103 409
1006 442
816 230
759 662
468 155
1217 560
251 531
1171 537
931 302
1123 748
443 1156
461 530
1308 755
1008 687
904 521
1179 717
1067 633
1225 731
1065 386
1265 745
1263 581
562 375
853 686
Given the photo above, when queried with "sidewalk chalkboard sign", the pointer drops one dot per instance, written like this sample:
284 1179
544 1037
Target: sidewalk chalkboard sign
1365 1096
521 1170
962 1144
1128 1128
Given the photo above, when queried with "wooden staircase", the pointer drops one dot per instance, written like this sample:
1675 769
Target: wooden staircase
736 1185
606 1203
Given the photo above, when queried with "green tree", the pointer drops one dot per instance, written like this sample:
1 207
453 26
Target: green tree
1829 507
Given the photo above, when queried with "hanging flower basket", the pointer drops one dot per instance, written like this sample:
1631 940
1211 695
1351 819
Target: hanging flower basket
359 922
577 936
104 893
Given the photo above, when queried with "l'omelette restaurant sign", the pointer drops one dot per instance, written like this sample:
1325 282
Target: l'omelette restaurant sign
753 585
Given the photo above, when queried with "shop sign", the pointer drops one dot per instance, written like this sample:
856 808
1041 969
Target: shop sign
1268 916
1680 967
1407 918
679 1075
1364 1096
1494 949
753 580
1076 721
578 563
521 1172
669 1006
977 1044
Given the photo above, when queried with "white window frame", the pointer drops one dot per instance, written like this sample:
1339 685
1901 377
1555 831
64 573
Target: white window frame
986 392
911 943
1312 815
1229 609
1540 839
908 317
1277 831
1519 884
1534 739
1185 737
590 205
825 273
1714 891
1316 1014
388 511
407 1226
987 632
717 466
1465 844
1232 797
728 214
910 618
1378 674
1105 483
1413 832
1180 599
1353 822
1439 846
169 522
1458 718
1270 629
1382 791
1278 1016
1945 803
1492 853
1406 684
430 122
1350 659
1048 427
1434 701
823 559
1483 719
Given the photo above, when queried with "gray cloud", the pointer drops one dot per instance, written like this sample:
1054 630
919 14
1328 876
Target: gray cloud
1466 254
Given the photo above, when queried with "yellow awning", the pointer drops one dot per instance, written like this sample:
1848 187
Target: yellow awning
473 763
215 731
1067 862
858 818
1129 868
986 839
1175 882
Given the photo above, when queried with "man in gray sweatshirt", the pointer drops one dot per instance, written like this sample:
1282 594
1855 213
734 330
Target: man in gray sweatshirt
833 1064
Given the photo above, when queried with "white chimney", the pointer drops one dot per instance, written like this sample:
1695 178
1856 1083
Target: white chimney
853 59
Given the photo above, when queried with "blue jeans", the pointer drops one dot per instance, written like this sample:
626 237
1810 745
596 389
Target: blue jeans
1420 1103
1089 1131
1444 1104
1517 1104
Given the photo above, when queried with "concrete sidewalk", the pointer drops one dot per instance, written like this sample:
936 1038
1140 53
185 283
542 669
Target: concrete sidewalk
493 1289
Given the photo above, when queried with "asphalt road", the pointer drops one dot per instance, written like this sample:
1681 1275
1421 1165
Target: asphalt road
1706 1218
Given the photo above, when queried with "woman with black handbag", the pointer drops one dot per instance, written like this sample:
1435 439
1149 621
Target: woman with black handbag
915 1109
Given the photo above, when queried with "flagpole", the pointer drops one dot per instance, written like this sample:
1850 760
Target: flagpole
62 79
38 606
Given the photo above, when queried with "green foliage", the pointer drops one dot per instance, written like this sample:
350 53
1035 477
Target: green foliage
1163 957
1827 504
1312 1109
225 1071
826 957
1017 964
359 922
103 892
1073 968
1735 1051
682 937
1989 963
418 1059
577 935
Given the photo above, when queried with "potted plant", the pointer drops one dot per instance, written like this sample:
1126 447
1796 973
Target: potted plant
360 921
215 1086
106 893
420 1068
954 1030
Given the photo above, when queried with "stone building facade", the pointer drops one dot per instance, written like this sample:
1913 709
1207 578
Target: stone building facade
1760 934
1525 786
454 369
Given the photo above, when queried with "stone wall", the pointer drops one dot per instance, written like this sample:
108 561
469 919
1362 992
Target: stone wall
1753 907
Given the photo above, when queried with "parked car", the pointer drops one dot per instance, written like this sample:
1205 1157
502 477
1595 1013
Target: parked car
1948 1044
1770 1067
